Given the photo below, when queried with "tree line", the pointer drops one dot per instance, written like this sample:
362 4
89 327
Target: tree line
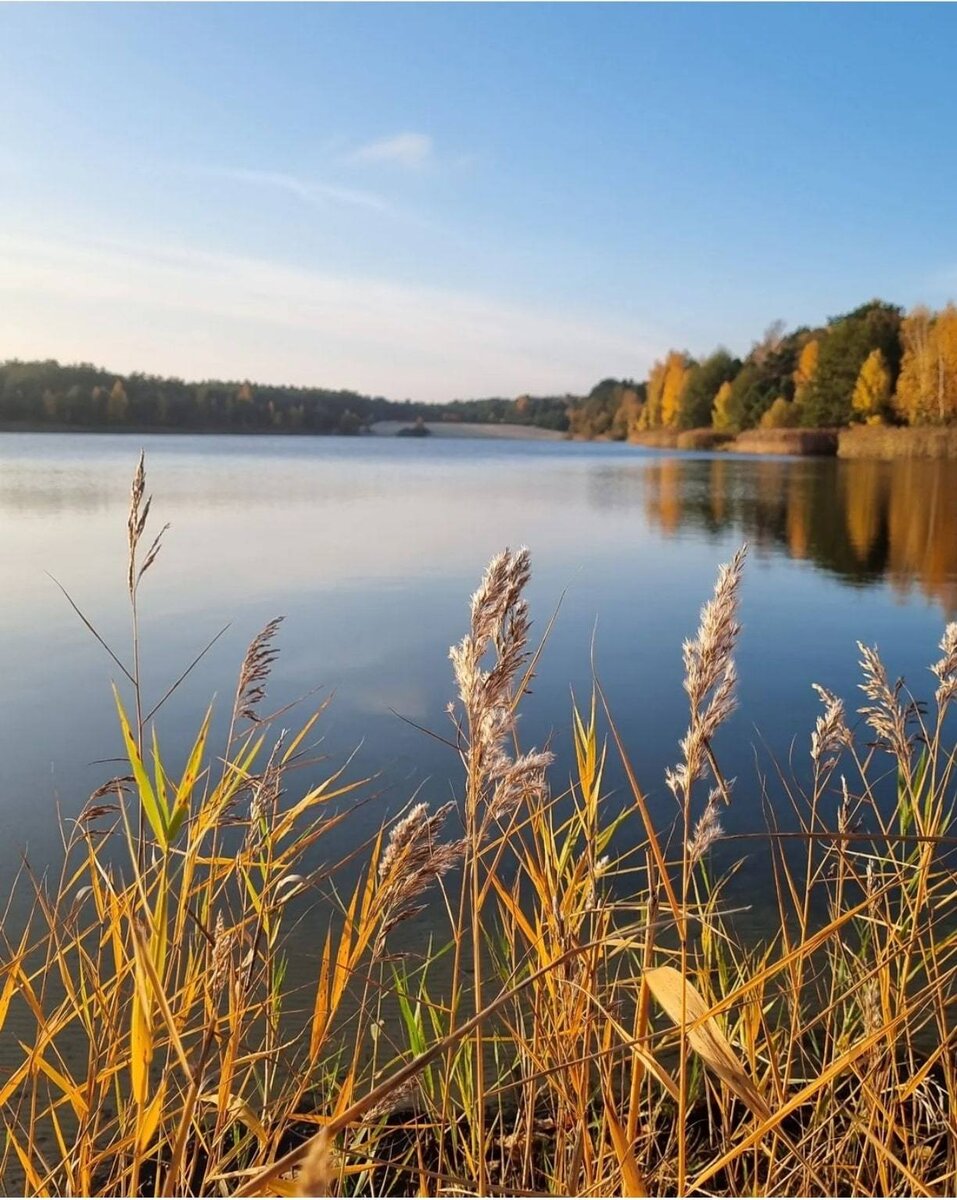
873 365
87 397
50 395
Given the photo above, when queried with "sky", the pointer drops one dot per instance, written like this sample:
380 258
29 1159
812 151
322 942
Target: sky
440 201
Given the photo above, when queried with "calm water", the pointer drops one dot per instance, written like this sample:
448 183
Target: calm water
371 549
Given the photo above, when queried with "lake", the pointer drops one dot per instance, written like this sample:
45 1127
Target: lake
370 548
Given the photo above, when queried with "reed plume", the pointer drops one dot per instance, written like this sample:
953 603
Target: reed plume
830 733
710 676
414 858
945 668
886 714
257 665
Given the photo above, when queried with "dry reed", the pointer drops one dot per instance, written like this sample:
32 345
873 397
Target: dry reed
603 1028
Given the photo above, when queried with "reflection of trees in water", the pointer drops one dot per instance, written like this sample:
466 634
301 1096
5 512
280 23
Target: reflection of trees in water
863 521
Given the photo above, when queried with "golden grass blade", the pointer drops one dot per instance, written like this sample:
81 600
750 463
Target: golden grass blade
632 1180
157 819
683 1002
773 1122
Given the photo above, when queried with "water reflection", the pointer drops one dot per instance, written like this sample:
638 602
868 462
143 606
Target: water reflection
860 521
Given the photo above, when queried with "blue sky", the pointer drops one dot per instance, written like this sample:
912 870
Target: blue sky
436 201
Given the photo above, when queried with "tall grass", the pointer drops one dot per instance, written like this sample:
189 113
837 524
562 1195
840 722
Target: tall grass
601 1029
892 442
787 441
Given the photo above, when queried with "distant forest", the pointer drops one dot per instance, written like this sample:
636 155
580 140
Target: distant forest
875 365
49 395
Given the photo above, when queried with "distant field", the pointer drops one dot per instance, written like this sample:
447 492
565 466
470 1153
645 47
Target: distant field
464 429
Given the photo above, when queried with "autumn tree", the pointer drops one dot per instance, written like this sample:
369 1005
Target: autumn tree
804 374
914 397
767 373
807 367
781 415
627 418
611 409
651 417
721 417
872 391
850 339
701 386
927 386
117 404
677 370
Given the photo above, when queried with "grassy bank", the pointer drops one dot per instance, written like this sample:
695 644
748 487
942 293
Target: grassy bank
888 442
787 441
681 439
752 441
601 1027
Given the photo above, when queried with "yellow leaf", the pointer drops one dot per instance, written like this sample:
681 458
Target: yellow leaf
671 990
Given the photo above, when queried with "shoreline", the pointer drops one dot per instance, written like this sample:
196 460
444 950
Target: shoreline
380 429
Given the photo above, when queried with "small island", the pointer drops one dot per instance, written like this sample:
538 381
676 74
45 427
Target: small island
418 430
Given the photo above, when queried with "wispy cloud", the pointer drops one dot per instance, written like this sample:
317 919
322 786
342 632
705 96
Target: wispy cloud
309 190
404 149
184 311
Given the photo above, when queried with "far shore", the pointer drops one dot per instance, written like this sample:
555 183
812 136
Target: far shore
457 429
877 442
465 429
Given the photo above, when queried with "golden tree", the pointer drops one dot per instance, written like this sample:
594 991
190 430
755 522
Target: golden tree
872 392
945 331
807 366
781 415
915 384
675 377
721 413
651 417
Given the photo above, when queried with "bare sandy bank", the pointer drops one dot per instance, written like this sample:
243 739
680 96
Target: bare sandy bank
462 429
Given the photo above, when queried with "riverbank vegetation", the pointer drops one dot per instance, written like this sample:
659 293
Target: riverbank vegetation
588 1017
875 366
872 366
891 442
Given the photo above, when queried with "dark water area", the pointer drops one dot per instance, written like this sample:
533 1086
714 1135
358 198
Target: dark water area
370 548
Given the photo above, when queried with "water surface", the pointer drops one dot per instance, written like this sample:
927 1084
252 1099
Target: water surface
370 548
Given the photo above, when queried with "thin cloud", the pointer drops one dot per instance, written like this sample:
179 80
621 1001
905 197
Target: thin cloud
178 310
309 190
405 149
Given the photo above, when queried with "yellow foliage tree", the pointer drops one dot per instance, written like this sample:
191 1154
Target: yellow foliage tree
914 398
927 384
117 402
807 366
651 417
872 392
781 415
945 329
721 412
675 377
